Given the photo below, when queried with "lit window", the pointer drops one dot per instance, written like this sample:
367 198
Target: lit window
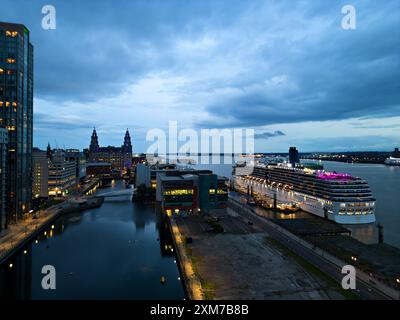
11 33
10 60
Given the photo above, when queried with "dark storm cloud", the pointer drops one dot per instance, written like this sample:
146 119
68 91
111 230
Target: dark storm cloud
267 135
330 75
45 121
101 46
294 62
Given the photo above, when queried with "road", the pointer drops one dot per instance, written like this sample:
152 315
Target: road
363 289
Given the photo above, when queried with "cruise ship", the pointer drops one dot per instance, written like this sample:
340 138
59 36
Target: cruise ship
394 160
339 197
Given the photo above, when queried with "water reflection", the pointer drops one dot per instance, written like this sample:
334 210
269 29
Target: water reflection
113 252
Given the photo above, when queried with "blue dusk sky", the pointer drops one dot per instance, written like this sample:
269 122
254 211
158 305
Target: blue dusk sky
285 68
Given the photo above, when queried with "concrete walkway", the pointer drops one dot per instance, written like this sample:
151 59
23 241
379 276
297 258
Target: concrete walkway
12 237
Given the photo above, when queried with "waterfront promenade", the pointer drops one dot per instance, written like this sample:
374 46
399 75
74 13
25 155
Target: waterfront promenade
191 281
24 229
16 234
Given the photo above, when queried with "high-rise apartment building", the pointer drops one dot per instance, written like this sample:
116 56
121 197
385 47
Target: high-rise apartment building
16 108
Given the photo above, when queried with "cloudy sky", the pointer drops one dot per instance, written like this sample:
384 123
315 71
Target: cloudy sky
287 69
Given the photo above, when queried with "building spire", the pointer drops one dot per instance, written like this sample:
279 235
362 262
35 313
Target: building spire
94 141
48 151
127 146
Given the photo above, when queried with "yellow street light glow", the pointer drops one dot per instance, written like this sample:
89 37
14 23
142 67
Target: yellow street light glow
10 265
36 241
398 280
52 226
45 233
25 252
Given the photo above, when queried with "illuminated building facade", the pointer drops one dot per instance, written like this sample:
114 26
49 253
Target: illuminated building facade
16 109
191 192
62 175
40 181
119 157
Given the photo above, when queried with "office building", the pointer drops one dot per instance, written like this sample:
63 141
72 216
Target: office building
78 157
147 174
189 191
40 181
62 175
16 108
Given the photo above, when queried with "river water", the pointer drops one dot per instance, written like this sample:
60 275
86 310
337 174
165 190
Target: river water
118 251
121 250
385 185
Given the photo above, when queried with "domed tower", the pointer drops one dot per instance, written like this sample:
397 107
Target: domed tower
127 150
94 146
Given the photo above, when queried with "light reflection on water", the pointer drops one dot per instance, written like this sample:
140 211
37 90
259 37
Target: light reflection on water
113 252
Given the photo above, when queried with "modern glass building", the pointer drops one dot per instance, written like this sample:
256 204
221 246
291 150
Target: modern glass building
16 109
191 191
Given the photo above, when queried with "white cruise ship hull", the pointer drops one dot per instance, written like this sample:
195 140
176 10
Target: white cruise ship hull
392 161
308 204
